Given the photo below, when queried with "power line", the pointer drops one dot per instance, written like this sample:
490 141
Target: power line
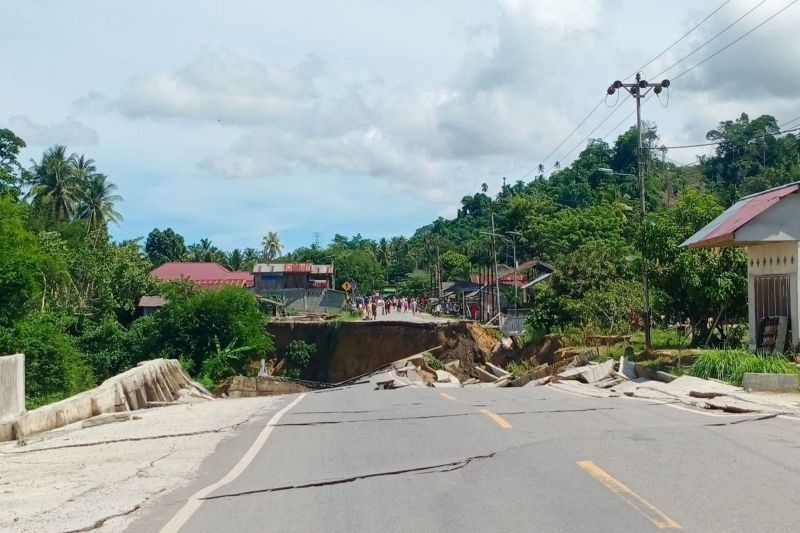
571 133
580 143
714 143
682 37
726 28
784 8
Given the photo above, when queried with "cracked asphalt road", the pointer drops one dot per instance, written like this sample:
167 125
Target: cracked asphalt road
357 459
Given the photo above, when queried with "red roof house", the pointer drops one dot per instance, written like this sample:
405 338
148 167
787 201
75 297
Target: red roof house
207 275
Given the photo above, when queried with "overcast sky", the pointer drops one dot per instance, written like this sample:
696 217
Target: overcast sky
230 119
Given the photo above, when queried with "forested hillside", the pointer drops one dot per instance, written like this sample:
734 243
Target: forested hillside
68 293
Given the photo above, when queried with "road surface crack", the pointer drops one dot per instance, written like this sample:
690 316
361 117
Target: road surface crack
425 417
756 419
441 467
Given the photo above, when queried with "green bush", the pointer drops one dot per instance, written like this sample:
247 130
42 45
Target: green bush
432 361
193 327
54 368
106 347
731 365
298 355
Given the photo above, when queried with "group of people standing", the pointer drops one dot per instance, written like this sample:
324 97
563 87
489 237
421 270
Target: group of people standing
370 306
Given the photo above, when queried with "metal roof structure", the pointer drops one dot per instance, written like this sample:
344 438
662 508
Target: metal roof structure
204 274
292 268
721 231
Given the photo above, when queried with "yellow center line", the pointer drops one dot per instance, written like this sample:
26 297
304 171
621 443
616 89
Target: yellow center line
446 396
502 422
631 498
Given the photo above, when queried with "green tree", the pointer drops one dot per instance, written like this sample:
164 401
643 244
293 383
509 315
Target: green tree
164 246
271 246
191 327
20 263
455 266
55 182
696 284
97 202
54 368
10 168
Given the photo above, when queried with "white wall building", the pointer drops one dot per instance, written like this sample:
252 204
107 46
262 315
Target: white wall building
767 224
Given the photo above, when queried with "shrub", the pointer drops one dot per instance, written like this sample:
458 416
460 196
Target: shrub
193 327
54 368
432 361
106 347
731 365
298 355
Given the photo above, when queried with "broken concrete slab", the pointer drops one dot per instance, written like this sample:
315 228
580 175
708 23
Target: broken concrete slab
485 376
770 382
154 380
626 368
595 373
496 370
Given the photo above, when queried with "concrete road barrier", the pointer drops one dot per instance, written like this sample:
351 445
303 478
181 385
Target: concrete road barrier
12 386
157 380
754 382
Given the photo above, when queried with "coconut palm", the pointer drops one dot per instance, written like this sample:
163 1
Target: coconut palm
97 202
618 202
271 244
84 169
194 253
54 182
484 188
234 260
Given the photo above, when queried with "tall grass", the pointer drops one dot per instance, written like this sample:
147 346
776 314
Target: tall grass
731 365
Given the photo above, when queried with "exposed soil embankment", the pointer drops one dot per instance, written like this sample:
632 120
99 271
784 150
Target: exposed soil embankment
349 349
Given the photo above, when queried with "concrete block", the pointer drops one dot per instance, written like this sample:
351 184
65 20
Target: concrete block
753 382
12 386
626 368
496 370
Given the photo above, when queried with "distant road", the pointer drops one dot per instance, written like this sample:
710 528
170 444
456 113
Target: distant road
409 317
472 459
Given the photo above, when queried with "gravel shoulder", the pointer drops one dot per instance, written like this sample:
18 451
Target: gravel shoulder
98 478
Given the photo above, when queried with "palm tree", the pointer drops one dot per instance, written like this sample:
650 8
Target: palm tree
84 169
206 250
54 181
618 202
235 259
383 253
250 254
271 245
97 203
484 188
194 253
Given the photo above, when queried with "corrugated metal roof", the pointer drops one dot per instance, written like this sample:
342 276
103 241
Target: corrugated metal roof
298 268
721 231
204 274
192 271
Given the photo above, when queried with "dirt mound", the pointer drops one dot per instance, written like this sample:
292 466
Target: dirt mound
543 352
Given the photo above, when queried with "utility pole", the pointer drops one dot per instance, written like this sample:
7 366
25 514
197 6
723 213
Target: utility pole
516 281
496 281
667 176
638 90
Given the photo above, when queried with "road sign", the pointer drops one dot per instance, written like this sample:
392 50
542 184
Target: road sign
346 286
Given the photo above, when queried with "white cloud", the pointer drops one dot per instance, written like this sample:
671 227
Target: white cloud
425 139
70 132
219 86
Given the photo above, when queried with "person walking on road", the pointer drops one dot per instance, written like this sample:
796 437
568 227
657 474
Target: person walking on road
414 306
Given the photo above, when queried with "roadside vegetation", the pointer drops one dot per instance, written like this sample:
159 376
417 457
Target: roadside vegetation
69 291
732 365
